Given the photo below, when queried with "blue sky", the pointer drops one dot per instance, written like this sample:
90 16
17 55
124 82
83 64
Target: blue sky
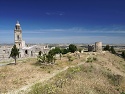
63 21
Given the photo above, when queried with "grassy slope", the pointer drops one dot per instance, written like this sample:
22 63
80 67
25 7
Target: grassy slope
105 74
28 71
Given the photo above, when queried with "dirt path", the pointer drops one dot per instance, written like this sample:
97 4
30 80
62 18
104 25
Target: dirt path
46 77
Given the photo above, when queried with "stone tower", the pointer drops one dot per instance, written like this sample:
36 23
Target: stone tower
98 46
18 35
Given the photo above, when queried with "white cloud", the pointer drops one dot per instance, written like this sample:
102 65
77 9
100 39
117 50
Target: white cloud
77 39
68 35
60 13
83 30
74 29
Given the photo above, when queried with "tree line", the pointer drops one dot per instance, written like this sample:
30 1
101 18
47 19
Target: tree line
50 57
111 49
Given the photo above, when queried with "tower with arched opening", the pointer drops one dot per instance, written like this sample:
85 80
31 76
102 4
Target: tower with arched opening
18 35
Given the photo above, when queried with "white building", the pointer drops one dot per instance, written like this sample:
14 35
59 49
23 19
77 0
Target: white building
20 44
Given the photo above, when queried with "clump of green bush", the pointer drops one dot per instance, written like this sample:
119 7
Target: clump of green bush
122 92
43 89
74 70
91 59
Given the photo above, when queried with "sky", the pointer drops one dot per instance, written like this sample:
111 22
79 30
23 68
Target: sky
63 21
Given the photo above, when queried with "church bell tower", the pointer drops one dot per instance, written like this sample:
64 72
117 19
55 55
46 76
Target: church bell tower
18 35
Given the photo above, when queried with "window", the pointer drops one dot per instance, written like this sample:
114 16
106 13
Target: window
26 52
18 37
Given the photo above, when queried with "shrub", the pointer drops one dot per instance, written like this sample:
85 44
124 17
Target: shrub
43 89
107 48
123 54
65 51
69 58
115 79
91 59
72 48
74 70
40 53
112 50
122 92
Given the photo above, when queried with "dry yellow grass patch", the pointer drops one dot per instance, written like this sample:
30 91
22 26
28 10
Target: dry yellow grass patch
28 71
103 75
15 76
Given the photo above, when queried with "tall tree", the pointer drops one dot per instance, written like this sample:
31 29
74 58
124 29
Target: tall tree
14 53
40 53
55 51
112 50
65 51
72 48
123 54
49 58
107 48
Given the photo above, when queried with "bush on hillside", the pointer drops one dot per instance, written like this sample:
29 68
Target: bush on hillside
123 54
72 48
112 50
107 48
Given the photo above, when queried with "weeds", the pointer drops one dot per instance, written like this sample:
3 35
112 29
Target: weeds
91 59
43 89
2 76
74 70
115 79
122 93
70 58
59 81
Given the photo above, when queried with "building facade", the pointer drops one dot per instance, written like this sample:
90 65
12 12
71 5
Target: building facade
25 51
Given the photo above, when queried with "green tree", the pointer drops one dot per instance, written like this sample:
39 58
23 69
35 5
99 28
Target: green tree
57 50
72 48
65 51
112 50
107 48
49 58
14 53
123 54
40 53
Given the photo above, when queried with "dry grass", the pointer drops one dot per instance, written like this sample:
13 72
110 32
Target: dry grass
96 77
15 76
28 71
104 76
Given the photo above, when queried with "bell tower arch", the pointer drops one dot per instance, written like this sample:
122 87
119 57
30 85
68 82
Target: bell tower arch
18 35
